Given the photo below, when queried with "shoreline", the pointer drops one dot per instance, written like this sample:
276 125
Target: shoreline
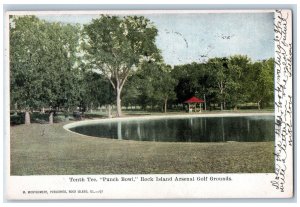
51 150
162 116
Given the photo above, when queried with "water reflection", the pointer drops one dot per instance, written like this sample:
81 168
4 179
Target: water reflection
209 129
120 130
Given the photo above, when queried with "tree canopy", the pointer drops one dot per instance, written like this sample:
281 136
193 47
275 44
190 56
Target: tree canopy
116 45
227 82
63 66
43 59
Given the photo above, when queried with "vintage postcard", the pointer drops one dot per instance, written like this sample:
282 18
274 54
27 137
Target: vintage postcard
144 104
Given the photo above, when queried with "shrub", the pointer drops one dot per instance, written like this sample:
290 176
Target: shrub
60 118
17 119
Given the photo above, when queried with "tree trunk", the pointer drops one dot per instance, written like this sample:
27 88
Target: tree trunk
119 109
51 118
221 106
165 105
15 108
27 117
109 111
91 108
258 105
204 103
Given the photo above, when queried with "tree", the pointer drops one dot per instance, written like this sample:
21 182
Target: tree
61 74
238 79
261 88
42 62
116 45
133 94
218 76
152 85
164 85
96 90
25 46
144 82
192 81
185 87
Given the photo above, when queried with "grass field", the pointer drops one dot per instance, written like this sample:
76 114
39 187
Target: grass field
42 149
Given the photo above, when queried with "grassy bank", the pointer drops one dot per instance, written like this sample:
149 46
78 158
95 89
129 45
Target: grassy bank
50 150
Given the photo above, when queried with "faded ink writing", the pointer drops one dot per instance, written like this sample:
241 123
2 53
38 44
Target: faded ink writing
283 98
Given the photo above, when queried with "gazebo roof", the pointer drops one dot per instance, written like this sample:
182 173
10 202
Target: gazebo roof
194 100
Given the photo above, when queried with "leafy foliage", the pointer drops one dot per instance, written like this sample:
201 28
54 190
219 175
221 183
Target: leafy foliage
42 58
115 46
228 82
55 65
96 90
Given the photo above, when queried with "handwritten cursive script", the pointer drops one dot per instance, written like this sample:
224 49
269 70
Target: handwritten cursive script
283 98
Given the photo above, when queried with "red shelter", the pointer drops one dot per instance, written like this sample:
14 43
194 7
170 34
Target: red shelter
193 102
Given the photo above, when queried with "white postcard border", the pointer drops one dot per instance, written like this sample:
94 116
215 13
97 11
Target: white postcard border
271 185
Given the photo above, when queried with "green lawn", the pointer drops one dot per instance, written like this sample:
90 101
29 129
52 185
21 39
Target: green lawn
42 149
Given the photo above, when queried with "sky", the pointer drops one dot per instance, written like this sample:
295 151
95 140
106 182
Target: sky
195 37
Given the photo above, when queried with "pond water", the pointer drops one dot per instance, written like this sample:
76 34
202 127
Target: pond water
195 129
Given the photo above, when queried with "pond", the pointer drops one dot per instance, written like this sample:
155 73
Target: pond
186 129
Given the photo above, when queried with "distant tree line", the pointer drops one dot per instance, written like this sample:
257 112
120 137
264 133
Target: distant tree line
62 67
224 83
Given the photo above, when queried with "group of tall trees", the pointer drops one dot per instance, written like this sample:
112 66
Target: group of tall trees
43 70
151 86
227 82
223 82
64 66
